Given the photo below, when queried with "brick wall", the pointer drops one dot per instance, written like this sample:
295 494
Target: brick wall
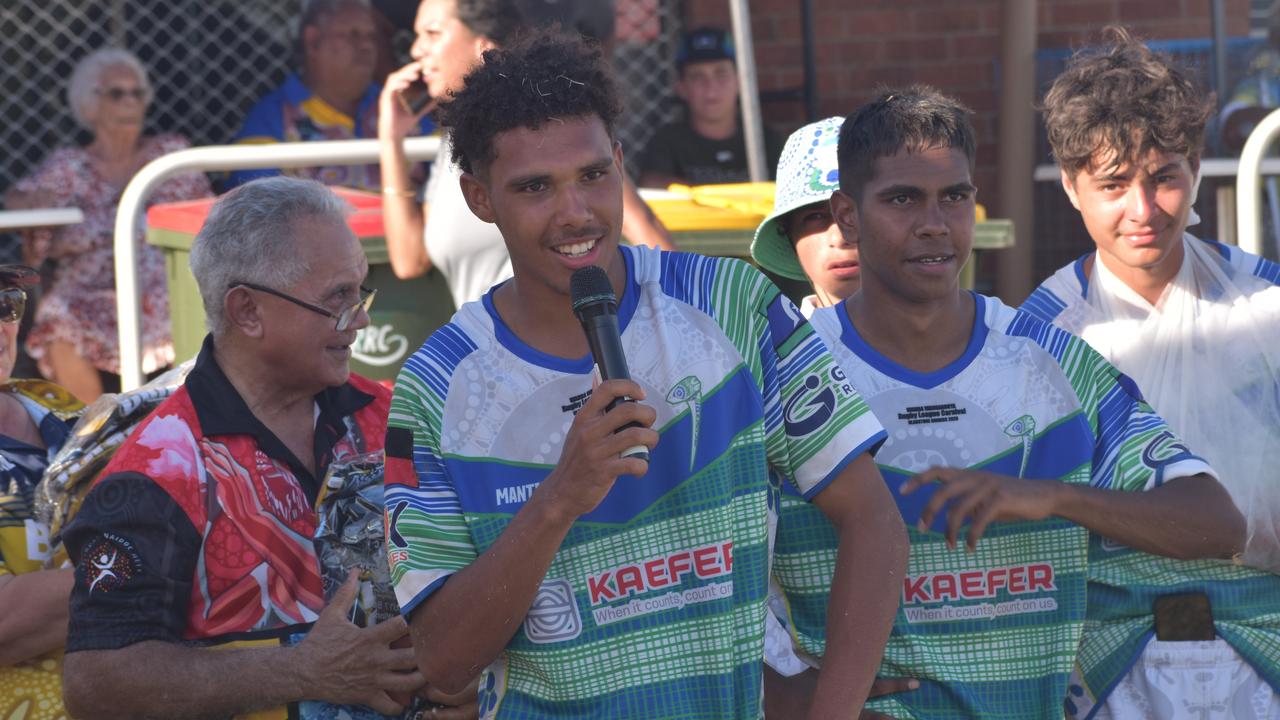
953 44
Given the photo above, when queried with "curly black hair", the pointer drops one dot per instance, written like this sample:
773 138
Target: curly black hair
1123 100
541 76
915 118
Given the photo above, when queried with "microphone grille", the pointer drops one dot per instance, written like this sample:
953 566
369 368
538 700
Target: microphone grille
590 285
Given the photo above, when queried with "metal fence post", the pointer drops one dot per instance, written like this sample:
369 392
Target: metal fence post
1249 183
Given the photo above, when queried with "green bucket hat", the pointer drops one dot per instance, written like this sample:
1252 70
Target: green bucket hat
808 172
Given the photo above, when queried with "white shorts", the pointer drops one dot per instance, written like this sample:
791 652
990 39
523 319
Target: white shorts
1186 680
780 651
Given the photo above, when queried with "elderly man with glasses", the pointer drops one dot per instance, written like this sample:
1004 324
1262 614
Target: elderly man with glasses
199 532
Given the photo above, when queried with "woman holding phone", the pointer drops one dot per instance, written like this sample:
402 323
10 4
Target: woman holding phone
437 229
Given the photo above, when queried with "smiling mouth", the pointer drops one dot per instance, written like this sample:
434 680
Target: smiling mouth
933 259
576 250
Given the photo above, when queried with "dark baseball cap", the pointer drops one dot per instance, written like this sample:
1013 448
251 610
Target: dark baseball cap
703 45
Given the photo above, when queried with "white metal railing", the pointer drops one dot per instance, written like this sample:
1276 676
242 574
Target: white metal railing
1249 183
216 157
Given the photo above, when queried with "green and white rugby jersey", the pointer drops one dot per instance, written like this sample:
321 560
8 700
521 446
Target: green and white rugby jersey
991 634
654 605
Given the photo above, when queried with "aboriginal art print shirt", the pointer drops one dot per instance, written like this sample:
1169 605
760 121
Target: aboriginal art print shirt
200 529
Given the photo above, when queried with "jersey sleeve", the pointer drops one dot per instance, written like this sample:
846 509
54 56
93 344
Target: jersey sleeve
815 422
135 553
1134 449
427 536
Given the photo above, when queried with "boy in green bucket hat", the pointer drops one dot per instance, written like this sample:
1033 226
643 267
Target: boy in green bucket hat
799 240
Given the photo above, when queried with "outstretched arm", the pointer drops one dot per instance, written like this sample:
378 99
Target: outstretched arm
1185 518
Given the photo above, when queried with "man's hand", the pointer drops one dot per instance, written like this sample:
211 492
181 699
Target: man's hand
887 686
344 664
591 461
982 496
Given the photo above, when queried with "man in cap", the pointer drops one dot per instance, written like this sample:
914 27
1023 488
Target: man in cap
708 145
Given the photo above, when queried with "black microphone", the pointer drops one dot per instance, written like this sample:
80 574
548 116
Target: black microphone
597 309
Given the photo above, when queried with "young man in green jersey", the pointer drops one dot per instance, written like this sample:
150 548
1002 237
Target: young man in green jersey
586 584
1004 434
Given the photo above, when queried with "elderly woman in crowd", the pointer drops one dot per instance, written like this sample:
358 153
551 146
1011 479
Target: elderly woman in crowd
35 421
74 336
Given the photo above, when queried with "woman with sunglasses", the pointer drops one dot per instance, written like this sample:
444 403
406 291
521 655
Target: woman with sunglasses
35 421
74 337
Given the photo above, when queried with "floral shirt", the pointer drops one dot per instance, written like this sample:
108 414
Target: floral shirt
79 304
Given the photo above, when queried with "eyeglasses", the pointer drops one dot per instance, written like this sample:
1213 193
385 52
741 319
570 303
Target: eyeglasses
344 317
116 94
13 302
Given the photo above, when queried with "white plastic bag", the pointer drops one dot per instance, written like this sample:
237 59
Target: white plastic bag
1207 358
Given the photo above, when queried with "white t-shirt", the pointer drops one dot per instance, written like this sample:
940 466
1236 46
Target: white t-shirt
469 252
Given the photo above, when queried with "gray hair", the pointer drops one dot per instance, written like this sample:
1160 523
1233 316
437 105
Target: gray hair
86 81
250 236
315 13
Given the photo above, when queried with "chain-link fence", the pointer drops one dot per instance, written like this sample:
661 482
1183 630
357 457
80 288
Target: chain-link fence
210 60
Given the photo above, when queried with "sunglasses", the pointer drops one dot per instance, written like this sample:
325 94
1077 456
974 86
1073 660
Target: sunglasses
116 94
343 317
13 302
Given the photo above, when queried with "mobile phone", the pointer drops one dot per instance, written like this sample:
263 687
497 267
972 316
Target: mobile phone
1184 617
414 97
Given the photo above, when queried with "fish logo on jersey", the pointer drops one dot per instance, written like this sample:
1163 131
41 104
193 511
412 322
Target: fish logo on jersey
1024 428
688 392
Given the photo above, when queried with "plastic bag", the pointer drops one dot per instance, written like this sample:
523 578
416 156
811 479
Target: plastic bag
1207 358
350 536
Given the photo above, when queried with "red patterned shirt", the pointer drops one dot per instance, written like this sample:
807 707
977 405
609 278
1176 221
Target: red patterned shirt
200 529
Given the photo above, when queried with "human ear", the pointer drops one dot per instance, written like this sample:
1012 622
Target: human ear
845 212
243 312
1069 186
476 193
